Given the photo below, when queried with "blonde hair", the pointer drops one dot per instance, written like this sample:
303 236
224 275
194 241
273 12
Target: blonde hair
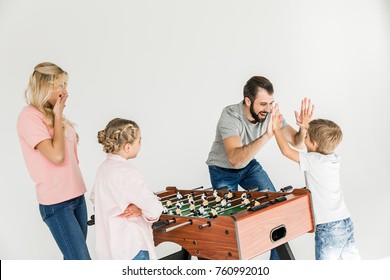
41 84
117 133
326 134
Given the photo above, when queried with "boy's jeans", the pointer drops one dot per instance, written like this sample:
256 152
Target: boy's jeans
335 241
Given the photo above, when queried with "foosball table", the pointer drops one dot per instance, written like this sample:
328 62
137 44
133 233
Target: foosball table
230 225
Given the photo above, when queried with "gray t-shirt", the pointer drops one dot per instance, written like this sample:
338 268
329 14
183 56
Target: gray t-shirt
233 122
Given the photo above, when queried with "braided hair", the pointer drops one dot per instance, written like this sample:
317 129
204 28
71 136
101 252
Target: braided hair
117 132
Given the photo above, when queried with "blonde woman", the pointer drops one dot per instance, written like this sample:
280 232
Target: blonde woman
118 186
49 146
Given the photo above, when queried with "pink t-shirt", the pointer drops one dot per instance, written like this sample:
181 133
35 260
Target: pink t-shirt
54 182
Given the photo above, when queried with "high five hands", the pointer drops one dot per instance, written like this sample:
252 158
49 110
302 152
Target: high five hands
302 119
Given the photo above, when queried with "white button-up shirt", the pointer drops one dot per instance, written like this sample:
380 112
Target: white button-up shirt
117 185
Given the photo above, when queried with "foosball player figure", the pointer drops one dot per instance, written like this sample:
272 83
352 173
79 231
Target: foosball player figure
223 203
243 196
205 203
246 202
179 196
178 210
165 210
200 211
217 199
230 195
168 204
190 198
192 206
213 213
179 204
204 196
215 193
257 203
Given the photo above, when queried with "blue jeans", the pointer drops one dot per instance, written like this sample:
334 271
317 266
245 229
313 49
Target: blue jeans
67 222
142 255
251 177
335 241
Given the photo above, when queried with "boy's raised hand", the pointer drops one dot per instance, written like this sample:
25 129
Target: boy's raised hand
306 114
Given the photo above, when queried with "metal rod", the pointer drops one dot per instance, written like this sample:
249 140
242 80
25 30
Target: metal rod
178 226
208 224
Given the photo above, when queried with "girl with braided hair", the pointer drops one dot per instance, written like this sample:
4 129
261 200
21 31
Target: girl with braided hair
119 184
49 146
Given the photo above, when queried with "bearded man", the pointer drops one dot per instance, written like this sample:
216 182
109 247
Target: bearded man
242 131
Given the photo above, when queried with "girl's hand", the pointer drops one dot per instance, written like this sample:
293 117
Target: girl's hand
306 115
131 211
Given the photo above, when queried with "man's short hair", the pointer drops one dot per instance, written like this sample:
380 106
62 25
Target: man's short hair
253 84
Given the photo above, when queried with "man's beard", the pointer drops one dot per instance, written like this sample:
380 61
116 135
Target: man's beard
256 116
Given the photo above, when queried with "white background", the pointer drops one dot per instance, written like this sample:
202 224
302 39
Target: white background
172 66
